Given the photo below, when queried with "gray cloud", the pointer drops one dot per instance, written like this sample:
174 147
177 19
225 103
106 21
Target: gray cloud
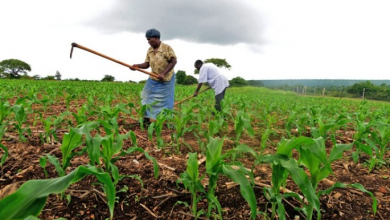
222 22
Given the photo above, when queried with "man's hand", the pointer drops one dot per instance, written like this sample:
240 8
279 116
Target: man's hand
195 93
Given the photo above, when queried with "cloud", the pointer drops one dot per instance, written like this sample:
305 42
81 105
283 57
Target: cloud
218 22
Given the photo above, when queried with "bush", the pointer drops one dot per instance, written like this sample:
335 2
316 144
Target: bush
238 81
190 80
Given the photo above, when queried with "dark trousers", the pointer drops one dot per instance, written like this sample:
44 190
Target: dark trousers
218 99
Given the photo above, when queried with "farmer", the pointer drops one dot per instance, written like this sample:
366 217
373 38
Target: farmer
209 73
158 91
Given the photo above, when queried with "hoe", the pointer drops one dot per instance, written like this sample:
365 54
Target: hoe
107 57
179 102
124 64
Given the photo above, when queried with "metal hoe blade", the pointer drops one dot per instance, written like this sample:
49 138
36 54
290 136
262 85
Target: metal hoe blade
71 52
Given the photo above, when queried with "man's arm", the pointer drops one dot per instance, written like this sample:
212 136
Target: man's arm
197 89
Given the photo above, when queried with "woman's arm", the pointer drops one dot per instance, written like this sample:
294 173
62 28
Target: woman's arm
141 66
171 64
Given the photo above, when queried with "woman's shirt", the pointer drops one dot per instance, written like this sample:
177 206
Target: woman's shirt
158 60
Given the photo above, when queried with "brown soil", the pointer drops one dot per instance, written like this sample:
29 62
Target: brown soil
159 198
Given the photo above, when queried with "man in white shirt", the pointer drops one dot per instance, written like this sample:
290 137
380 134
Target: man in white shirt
209 73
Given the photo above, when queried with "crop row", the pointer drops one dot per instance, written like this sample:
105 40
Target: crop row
92 114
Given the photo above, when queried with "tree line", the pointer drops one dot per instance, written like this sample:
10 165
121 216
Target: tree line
17 69
361 89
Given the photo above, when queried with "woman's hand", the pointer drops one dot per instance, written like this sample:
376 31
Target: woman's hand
134 67
161 76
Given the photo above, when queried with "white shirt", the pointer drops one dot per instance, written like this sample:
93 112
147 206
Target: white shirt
209 73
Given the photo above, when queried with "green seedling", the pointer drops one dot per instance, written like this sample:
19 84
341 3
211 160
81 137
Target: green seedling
5 110
20 118
31 197
192 181
215 166
241 122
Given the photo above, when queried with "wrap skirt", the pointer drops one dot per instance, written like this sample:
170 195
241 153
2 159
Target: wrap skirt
159 95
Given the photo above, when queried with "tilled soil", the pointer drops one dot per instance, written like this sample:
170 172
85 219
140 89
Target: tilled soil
164 198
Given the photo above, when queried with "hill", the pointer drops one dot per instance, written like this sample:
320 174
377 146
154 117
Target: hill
315 82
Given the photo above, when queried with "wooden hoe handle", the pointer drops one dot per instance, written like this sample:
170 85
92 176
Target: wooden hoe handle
112 59
176 103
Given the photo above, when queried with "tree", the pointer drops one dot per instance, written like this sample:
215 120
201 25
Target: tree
221 63
36 77
108 78
358 88
238 81
190 80
180 77
48 78
13 68
58 75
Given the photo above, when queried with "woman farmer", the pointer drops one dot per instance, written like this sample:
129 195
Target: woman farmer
158 92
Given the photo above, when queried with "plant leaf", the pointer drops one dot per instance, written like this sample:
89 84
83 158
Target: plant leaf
31 197
245 187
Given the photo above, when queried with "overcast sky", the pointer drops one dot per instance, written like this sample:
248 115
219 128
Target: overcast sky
284 39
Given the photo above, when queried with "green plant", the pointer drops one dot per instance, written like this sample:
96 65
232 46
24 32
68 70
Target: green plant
81 116
50 124
241 122
315 158
21 118
213 126
140 112
270 121
192 182
281 166
5 110
69 99
3 129
330 127
109 112
180 122
110 146
371 138
377 142
157 127
31 197
43 163
312 154
215 166
70 141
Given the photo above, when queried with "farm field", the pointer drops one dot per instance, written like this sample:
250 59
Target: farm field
267 155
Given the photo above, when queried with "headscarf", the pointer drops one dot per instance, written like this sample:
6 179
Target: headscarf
152 33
